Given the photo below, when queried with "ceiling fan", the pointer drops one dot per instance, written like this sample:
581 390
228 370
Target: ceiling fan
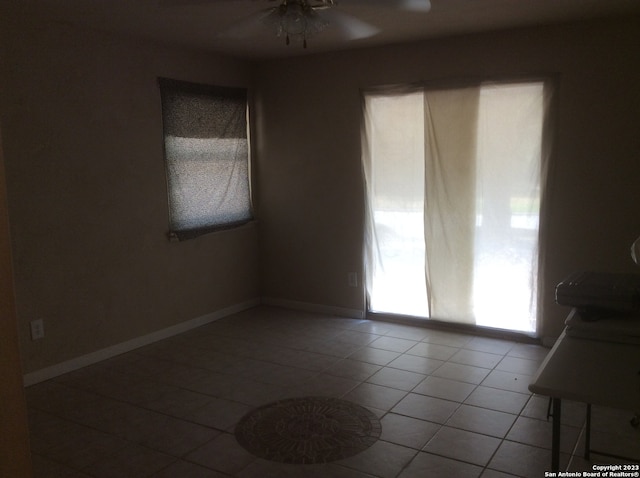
301 19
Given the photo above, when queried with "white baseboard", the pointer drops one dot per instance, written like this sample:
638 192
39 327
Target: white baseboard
47 373
316 308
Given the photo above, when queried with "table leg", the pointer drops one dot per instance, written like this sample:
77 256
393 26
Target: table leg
555 441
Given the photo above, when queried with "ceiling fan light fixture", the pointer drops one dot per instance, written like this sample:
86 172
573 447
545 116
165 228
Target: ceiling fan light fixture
296 19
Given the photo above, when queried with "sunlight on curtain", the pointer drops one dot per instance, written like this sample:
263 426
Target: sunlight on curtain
453 188
394 175
451 117
507 205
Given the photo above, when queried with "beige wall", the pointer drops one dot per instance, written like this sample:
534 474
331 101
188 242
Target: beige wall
14 439
308 164
87 194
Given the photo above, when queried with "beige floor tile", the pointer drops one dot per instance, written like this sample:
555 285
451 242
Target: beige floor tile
529 351
444 388
62 400
373 327
219 414
518 365
253 393
159 432
356 338
324 385
382 459
177 402
491 345
487 473
432 409
130 462
222 454
315 361
353 369
524 460
538 407
433 351
476 358
407 431
482 420
573 413
408 332
332 348
70 443
270 469
614 421
426 465
531 431
462 373
277 374
396 378
376 396
113 384
374 356
415 363
513 382
496 399
444 337
580 464
463 445
393 344
184 469
624 443
46 468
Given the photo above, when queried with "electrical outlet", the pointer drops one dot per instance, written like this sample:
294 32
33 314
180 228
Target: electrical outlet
353 279
37 329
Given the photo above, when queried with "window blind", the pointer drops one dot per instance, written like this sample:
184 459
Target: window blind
206 156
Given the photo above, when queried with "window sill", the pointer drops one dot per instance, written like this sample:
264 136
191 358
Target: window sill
185 235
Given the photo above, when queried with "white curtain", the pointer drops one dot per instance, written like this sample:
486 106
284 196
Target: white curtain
451 118
512 159
393 166
454 185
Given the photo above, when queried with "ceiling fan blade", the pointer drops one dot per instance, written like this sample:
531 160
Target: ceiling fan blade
348 26
188 3
182 3
411 5
248 26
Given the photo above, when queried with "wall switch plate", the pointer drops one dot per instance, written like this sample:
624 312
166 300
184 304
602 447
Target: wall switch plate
37 329
353 279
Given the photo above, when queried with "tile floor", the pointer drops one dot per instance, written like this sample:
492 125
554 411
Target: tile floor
450 404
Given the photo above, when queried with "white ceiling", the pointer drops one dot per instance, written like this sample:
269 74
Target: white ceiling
198 23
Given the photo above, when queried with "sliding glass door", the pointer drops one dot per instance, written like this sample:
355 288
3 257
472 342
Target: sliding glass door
454 184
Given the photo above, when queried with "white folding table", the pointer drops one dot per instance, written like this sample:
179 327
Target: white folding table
583 368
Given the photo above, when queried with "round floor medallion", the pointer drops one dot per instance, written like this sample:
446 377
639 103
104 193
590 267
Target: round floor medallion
308 430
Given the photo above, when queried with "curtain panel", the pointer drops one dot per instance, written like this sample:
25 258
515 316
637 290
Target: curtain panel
455 178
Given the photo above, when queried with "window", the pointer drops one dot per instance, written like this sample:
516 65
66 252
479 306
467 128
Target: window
207 157
454 181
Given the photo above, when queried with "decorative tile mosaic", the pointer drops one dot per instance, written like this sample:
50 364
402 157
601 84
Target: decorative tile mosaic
308 430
